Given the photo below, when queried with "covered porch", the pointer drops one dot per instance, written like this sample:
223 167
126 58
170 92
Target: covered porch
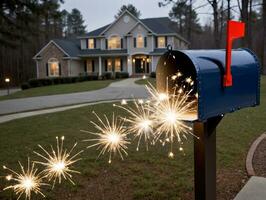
141 64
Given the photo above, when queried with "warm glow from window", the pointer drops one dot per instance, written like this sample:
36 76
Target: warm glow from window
109 65
117 65
161 42
140 41
114 42
91 43
53 66
89 66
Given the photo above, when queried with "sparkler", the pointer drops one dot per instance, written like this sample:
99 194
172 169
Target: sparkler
57 163
26 182
140 122
112 137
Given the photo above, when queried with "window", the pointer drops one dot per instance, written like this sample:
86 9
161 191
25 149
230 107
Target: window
53 67
114 42
90 43
90 66
109 65
118 64
161 42
140 41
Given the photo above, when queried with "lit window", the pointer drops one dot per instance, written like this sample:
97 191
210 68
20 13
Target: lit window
161 42
91 43
53 67
114 42
109 65
117 65
140 41
90 66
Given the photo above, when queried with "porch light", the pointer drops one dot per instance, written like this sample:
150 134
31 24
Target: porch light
7 80
148 60
134 60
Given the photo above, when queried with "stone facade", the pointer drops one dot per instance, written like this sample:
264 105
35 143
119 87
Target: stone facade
51 51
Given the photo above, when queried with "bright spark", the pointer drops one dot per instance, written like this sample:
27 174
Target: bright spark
169 117
26 182
140 122
112 137
57 163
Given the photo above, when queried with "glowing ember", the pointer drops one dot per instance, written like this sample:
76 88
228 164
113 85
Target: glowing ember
112 137
27 182
140 122
57 163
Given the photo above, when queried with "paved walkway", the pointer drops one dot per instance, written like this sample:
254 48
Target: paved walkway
255 189
124 89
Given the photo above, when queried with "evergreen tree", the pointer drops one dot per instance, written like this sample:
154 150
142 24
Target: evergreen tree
132 9
75 23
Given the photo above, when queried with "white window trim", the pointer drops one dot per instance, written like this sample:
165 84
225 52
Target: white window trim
113 35
143 46
158 42
49 71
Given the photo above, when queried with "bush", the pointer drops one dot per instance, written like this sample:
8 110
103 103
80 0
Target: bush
35 83
107 75
25 86
121 75
153 75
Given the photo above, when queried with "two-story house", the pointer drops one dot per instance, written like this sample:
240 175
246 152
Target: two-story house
128 45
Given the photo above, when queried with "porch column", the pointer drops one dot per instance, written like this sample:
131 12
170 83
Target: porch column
37 69
100 66
129 65
152 65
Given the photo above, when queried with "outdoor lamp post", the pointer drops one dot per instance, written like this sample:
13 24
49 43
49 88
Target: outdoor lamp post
223 82
7 81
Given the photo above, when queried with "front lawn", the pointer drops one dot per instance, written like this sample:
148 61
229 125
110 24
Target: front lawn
60 89
146 81
142 175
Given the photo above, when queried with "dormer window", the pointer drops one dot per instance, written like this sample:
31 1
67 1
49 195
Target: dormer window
114 42
91 44
161 41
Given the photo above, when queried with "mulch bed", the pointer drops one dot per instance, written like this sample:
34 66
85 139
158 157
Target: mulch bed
259 159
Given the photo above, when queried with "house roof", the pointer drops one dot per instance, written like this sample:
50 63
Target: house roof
97 52
161 25
158 51
70 46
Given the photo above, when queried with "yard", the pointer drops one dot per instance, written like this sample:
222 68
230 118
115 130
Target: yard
142 175
59 89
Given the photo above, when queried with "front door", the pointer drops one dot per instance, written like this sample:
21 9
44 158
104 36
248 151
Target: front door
139 66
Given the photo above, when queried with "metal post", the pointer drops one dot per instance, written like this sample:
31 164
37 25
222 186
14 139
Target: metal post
205 159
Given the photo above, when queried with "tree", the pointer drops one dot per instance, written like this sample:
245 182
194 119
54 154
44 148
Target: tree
132 9
75 23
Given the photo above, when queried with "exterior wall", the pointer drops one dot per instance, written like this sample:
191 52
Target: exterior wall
140 29
154 62
52 51
120 27
83 44
179 44
75 67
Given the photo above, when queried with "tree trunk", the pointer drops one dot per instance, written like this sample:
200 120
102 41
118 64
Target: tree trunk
244 17
190 21
216 23
264 39
228 10
249 38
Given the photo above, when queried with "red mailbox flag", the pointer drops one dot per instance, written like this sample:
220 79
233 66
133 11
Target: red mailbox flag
234 30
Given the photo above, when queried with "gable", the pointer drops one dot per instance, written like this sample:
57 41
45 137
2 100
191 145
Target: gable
122 25
139 29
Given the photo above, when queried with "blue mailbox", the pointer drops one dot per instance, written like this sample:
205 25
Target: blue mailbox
207 69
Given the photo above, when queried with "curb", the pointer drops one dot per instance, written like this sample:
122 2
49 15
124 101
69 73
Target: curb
250 155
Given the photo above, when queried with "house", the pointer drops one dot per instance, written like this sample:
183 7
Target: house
128 45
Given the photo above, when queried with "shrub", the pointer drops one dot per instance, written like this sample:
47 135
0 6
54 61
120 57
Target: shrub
35 83
107 75
25 86
153 75
121 75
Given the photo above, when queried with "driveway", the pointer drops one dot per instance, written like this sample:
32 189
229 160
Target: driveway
124 89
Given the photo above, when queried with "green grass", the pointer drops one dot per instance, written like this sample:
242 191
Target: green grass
59 89
142 175
146 81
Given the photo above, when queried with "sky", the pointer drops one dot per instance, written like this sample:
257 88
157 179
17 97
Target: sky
97 13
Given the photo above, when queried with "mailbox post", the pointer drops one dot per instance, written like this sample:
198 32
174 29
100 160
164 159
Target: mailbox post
216 95
7 80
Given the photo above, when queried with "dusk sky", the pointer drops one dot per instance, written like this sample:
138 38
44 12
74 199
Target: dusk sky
101 12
